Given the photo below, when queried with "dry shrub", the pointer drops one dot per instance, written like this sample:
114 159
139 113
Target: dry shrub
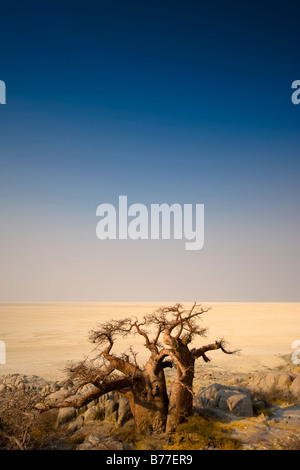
200 433
22 425
17 418
127 433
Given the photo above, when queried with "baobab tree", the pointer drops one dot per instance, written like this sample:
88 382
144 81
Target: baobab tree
167 334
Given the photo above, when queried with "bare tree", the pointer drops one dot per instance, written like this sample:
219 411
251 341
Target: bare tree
167 334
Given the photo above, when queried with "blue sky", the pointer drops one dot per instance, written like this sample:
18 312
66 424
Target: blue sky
165 101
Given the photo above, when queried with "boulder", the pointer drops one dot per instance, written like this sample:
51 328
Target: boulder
211 413
59 444
111 411
279 381
94 413
226 398
65 415
87 388
295 388
57 397
75 425
15 382
259 404
236 403
124 411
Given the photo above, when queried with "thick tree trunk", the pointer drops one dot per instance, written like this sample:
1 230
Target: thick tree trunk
149 401
181 398
149 414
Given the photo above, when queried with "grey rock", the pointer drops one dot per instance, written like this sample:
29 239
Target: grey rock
237 403
206 412
111 411
114 417
23 382
53 387
226 398
75 425
88 388
259 404
277 380
57 397
124 411
295 387
94 413
113 396
93 403
208 395
65 415
59 444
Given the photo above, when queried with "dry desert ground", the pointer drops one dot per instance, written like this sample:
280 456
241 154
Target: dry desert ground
41 338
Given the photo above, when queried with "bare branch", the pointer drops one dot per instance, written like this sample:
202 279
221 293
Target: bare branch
169 352
141 332
159 330
78 401
107 332
181 327
200 352
185 320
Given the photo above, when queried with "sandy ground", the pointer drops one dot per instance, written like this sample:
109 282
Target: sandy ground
42 338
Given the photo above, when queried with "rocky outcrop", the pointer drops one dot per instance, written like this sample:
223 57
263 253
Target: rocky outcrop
115 411
124 411
75 425
295 387
13 382
65 415
111 411
110 407
94 413
285 383
226 398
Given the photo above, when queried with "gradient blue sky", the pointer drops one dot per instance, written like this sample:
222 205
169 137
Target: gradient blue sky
163 101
